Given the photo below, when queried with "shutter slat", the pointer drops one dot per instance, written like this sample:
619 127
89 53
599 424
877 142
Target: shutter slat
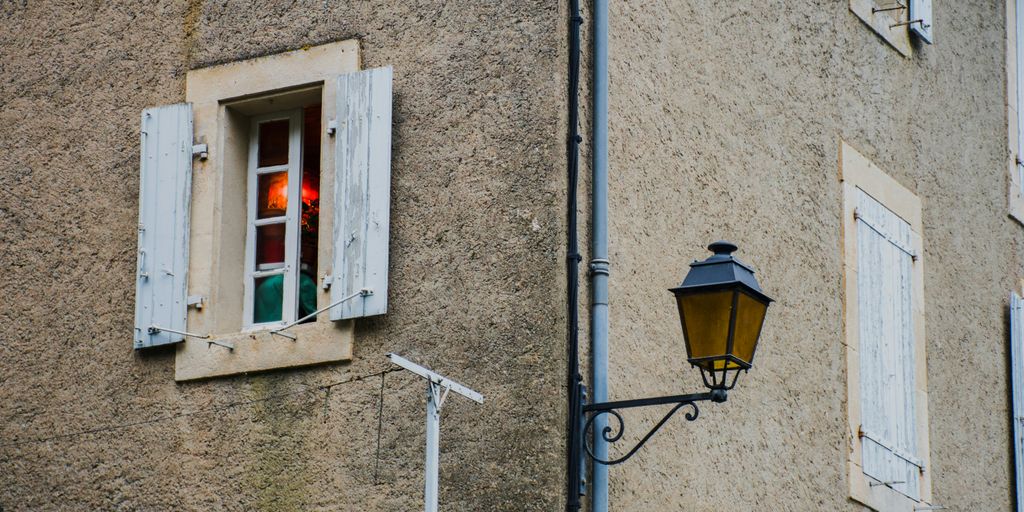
362 193
165 187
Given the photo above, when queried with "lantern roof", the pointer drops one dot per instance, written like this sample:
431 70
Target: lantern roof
721 269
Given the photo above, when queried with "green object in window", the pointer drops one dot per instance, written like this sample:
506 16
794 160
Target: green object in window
269 298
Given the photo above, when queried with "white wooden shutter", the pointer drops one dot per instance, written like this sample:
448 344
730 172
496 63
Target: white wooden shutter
1020 91
1017 386
165 187
362 193
885 301
921 10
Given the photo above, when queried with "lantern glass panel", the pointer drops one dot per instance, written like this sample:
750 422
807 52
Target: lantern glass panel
749 317
706 322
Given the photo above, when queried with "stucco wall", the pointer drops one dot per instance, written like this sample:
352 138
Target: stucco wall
476 267
726 119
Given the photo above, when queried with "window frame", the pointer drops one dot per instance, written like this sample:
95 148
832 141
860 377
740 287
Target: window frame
857 172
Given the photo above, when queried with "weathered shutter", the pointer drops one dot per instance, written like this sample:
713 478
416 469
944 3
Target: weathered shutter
885 301
1017 386
921 19
165 187
362 193
1019 50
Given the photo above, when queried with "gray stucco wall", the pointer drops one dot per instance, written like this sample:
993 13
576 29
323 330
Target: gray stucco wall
476 267
726 119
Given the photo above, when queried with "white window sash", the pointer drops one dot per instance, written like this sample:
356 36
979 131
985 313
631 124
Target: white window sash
289 304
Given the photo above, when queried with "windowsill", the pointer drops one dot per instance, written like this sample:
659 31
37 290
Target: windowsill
879 498
323 341
881 23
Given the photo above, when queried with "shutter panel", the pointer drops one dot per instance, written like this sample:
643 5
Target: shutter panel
362 193
921 10
885 300
1019 107
165 188
1017 386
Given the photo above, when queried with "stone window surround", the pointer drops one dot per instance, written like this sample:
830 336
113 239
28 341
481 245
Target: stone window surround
224 98
856 171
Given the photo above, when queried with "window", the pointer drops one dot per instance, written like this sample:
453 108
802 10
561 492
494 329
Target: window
1014 101
885 347
284 214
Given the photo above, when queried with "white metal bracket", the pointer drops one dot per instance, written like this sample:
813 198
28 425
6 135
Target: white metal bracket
327 282
332 127
201 150
196 301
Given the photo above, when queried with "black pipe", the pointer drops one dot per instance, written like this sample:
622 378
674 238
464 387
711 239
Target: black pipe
572 260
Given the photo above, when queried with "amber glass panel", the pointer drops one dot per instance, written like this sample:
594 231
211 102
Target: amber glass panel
749 317
273 149
268 297
270 246
310 198
706 318
272 196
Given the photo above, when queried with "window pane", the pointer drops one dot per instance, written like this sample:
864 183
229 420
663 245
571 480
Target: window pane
273 149
270 246
310 222
272 200
267 299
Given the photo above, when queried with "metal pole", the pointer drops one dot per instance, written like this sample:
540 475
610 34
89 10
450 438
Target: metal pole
599 264
433 449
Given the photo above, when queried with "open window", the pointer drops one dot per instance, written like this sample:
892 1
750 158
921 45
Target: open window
264 205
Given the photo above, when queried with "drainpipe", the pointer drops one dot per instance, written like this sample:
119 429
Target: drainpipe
599 253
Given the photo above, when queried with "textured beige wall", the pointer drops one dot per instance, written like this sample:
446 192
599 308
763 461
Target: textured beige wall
476 267
726 119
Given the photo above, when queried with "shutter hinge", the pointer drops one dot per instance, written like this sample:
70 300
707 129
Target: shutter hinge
327 282
332 127
196 300
202 150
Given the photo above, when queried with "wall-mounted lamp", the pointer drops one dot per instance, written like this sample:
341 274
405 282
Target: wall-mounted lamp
721 309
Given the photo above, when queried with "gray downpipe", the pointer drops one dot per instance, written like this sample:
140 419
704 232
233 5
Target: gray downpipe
599 253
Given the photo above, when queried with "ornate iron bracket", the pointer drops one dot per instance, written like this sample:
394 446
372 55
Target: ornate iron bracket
612 408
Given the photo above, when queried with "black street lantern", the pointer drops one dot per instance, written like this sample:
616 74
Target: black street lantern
721 308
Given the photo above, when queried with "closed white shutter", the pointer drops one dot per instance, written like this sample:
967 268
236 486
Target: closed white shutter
362 193
885 300
1017 386
1020 91
921 10
165 188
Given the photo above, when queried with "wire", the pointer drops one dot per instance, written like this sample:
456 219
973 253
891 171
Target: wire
219 408
380 425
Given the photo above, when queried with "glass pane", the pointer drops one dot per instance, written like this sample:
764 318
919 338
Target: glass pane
749 316
706 320
310 222
273 149
268 298
272 196
270 246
